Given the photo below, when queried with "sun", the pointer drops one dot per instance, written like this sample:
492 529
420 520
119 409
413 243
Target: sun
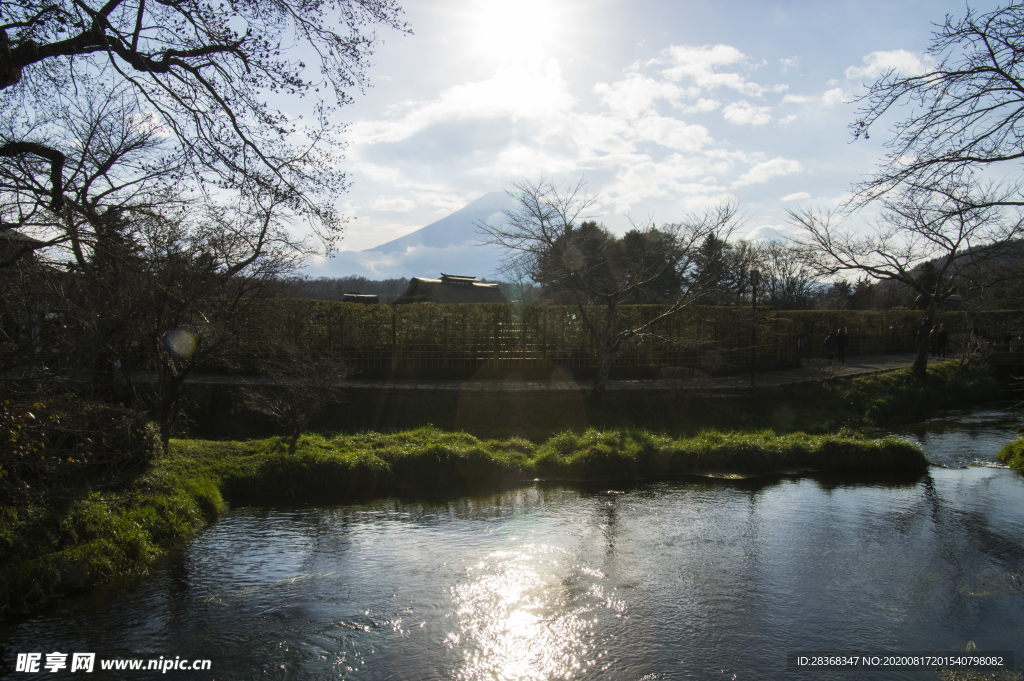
514 32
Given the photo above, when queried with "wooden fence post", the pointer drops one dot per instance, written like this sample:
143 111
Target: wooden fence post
544 334
522 331
497 346
394 339
444 352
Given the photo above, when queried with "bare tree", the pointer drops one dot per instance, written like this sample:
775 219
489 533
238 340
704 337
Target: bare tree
198 287
140 276
548 235
936 242
297 381
205 73
115 158
966 112
787 281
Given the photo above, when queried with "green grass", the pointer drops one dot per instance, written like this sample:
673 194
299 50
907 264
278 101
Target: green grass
49 550
347 466
1012 453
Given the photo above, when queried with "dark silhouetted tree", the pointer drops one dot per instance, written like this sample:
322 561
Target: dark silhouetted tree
550 235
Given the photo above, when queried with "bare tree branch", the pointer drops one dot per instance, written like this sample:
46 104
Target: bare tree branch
548 234
967 112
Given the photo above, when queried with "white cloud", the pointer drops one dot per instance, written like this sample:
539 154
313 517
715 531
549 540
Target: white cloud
702 106
524 160
637 146
637 93
833 97
783 233
699 63
788 63
744 113
519 92
799 196
672 133
670 178
763 172
903 62
421 261
396 204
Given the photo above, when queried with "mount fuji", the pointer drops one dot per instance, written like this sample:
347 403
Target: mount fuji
450 245
457 229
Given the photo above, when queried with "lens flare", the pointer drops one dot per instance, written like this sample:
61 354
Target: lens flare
181 343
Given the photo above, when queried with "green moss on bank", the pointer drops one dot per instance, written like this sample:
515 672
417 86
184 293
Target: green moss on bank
49 550
1012 453
346 466
898 396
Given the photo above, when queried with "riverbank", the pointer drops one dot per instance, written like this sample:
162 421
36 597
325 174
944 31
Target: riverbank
1013 453
72 543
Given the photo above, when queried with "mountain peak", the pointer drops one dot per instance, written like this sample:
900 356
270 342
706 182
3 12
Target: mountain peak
456 229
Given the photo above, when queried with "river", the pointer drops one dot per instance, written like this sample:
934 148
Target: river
684 579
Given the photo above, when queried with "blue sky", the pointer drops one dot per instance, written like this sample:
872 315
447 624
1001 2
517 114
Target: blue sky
664 107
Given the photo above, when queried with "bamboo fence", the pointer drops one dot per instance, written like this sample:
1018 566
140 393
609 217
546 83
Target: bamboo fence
470 336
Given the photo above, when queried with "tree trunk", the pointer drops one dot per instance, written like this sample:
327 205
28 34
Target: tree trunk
604 366
923 329
167 408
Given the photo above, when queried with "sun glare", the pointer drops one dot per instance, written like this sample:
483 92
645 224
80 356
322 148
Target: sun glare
514 32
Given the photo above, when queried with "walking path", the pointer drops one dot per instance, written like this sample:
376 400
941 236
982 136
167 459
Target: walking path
812 370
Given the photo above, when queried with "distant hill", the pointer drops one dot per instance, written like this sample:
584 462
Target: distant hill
457 229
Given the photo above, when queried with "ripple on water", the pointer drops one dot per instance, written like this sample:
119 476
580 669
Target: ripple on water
958 438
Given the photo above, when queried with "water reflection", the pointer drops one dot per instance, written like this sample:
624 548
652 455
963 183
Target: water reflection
683 579
517 620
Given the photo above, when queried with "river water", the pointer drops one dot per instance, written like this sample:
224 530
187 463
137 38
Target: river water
684 579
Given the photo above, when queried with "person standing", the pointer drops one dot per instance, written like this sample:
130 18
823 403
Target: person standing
841 341
830 346
941 336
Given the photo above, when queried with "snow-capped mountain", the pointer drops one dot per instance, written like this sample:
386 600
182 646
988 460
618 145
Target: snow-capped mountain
457 229
450 245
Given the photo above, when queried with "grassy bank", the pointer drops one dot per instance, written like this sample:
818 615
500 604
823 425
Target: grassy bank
47 550
374 464
1012 453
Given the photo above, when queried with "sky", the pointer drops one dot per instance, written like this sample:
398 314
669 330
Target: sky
663 107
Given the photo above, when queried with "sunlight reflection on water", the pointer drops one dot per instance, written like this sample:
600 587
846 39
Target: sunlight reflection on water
518 620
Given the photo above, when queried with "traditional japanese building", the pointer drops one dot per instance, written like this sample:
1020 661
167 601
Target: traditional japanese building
451 288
